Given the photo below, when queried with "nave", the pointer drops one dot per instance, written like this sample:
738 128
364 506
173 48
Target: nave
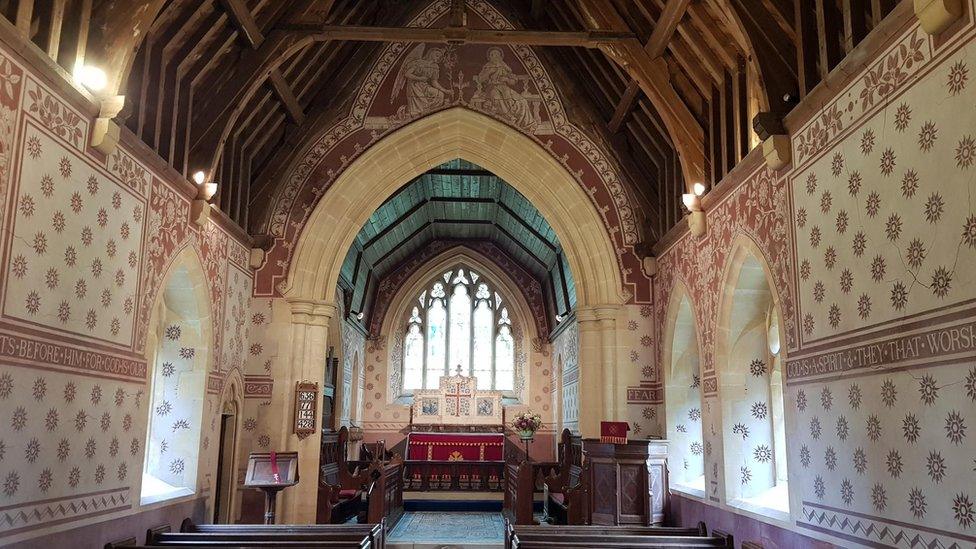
487 273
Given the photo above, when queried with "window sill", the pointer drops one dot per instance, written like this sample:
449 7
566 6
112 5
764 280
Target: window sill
773 503
688 490
155 490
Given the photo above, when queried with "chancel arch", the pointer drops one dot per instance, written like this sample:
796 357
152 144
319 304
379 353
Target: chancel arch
406 153
749 361
179 352
681 366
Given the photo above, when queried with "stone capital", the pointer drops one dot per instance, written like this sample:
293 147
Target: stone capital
315 312
593 313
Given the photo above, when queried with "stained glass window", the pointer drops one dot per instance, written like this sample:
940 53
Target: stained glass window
459 321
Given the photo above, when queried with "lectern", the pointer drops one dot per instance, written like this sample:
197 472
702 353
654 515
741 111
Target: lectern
628 482
271 473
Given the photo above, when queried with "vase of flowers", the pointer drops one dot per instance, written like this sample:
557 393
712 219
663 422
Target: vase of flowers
526 424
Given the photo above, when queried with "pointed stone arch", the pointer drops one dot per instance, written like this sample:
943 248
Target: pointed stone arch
754 464
683 399
456 133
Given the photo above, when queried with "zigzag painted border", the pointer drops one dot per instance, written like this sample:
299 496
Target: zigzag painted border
871 530
40 514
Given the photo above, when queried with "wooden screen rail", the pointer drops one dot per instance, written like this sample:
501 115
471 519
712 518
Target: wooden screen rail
456 476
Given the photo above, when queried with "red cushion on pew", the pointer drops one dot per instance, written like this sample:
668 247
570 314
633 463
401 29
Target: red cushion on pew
557 497
347 494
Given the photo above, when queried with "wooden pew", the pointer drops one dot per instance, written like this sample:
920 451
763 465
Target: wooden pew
519 487
376 531
555 540
565 502
340 490
699 530
349 540
612 536
384 495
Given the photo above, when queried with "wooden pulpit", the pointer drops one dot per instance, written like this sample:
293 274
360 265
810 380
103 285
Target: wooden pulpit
628 483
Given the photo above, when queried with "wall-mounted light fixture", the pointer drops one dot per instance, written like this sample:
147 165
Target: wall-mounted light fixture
200 208
696 217
91 77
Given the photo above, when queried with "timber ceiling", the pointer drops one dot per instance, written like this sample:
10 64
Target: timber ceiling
669 87
457 202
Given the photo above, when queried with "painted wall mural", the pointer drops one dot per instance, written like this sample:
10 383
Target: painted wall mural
409 81
867 240
87 242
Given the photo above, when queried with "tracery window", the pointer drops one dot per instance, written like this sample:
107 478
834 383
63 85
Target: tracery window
459 320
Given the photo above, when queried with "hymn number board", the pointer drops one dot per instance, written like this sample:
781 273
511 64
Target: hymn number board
306 404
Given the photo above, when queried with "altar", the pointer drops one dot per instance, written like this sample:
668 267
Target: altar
456 422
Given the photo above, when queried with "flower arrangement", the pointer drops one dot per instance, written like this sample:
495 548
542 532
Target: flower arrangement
527 423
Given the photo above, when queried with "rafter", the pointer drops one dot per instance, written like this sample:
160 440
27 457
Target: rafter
248 28
657 43
651 75
287 97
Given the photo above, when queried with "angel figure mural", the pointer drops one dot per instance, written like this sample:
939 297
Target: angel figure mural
495 90
420 76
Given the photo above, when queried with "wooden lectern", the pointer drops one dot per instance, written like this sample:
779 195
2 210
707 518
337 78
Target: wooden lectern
271 473
628 483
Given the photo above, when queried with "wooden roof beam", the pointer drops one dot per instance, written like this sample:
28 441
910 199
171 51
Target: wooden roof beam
459 35
671 15
656 44
248 28
287 97
651 75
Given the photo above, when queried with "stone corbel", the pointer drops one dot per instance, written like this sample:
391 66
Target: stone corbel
199 211
697 223
776 151
775 141
936 16
105 131
648 261
262 244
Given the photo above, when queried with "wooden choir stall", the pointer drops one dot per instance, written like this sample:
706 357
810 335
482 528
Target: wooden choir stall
371 491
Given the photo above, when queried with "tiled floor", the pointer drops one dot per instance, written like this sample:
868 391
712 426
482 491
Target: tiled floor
443 530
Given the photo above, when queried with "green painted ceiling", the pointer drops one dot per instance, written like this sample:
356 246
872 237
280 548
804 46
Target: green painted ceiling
457 201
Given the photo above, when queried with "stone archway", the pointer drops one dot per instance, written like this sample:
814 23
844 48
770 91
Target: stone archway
379 172
750 381
456 133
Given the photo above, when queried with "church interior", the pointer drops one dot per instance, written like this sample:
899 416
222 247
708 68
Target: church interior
437 274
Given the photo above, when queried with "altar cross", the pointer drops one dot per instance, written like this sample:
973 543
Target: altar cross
457 397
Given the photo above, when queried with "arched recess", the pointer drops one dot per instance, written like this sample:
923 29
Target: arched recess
749 363
393 327
681 357
178 350
226 502
426 143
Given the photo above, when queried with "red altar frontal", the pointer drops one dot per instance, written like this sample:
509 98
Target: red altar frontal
455 446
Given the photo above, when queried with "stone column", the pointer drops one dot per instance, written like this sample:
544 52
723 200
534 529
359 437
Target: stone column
304 343
590 373
607 322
